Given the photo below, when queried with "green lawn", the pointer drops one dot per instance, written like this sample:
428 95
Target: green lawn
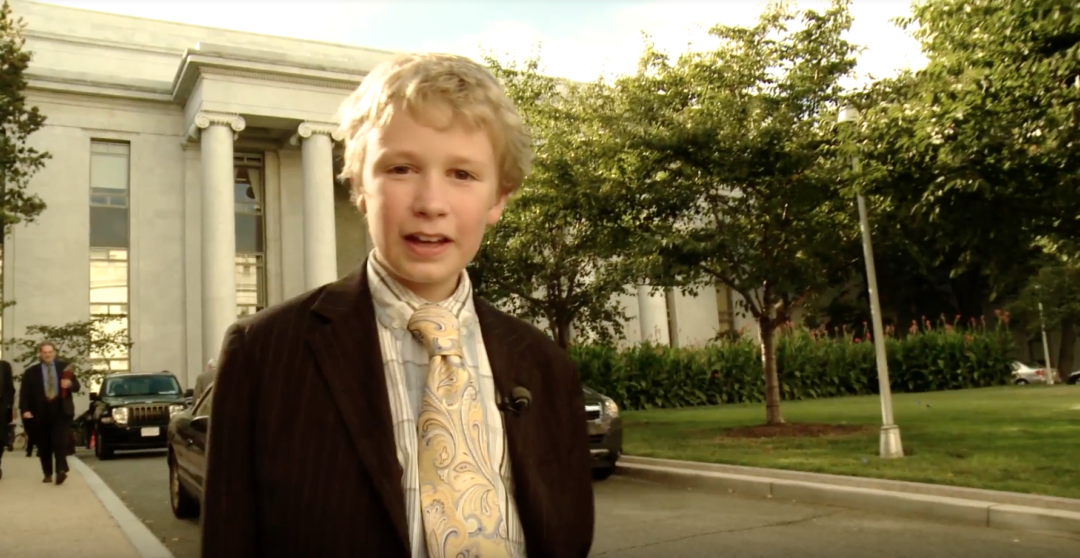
1021 439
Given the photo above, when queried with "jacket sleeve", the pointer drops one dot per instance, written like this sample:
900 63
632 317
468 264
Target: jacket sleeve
577 489
7 386
230 509
25 403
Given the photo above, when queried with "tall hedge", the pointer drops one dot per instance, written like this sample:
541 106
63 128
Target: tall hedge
812 364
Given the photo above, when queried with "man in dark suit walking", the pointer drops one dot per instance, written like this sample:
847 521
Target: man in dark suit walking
45 397
7 404
391 413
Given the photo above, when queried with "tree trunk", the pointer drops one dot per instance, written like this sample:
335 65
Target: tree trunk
768 366
1066 354
562 332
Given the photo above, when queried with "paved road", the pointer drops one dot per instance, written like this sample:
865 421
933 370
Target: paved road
637 519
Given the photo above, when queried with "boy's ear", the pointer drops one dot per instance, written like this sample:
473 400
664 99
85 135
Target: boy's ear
361 204
496 210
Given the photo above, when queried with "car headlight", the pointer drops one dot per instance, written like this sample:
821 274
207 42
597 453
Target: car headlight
611 410
175 409
120 415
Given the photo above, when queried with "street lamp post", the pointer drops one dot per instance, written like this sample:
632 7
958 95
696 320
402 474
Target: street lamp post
890 445
1045 344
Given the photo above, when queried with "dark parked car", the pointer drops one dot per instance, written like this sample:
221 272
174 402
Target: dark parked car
187 446
132 411
187 455
605 432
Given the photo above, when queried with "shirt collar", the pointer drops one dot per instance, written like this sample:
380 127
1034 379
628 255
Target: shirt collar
395 304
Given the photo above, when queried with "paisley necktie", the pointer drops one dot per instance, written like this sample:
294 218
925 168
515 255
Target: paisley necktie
461 509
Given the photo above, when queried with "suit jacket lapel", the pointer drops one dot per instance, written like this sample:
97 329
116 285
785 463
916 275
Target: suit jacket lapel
510 367
346 347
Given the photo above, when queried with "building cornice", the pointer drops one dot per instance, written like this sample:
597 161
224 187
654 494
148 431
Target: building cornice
88 84
213 60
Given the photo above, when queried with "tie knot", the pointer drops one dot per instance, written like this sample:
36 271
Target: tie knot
437 328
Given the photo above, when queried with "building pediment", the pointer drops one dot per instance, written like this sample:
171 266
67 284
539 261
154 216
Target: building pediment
206 60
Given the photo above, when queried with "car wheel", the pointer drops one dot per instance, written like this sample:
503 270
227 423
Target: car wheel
183 505
101 450
1021 382
603 473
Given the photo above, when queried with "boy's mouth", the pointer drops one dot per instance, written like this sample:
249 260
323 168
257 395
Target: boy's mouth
427 239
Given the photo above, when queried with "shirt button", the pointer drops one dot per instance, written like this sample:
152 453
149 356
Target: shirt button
397 324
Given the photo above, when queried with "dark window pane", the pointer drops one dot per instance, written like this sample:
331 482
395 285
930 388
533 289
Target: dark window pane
249 234
109 227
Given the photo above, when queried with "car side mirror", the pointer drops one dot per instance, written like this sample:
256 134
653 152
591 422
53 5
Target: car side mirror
94 396
200 424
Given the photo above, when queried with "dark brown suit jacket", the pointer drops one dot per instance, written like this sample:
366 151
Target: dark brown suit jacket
301 458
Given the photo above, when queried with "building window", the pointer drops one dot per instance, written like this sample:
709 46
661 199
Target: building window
109 233
250 235
725 309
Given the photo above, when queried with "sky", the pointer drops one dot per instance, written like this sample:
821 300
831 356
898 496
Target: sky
578 39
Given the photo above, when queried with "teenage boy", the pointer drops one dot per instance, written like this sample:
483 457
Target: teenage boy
391 413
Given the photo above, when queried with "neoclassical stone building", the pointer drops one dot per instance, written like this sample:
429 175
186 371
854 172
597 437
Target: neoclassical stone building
192 181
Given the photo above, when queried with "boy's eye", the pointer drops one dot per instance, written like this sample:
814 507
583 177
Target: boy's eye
398 169
459 174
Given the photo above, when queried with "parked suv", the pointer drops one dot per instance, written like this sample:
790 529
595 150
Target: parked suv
132 411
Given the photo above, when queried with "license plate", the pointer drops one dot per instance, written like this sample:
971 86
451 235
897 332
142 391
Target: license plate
151 432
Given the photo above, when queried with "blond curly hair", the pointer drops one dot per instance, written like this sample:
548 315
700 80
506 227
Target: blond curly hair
425 85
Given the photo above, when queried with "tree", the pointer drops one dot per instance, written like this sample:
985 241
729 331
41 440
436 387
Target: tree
78 343
558 253
18 162
739 149
983 144
1057 287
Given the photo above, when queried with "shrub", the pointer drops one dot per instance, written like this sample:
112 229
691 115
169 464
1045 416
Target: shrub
811 363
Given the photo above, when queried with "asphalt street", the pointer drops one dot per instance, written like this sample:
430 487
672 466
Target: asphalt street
637 519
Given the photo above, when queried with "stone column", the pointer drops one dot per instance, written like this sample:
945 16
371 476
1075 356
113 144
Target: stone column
216 132
316 141
652 315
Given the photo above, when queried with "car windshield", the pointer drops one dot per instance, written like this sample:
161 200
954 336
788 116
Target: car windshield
141 385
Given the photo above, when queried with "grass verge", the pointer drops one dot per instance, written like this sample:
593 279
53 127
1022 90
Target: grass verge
1021 439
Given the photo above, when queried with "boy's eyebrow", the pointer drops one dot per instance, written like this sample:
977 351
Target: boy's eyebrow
415 156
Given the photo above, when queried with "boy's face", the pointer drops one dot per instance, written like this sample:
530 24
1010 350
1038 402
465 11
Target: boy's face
428 195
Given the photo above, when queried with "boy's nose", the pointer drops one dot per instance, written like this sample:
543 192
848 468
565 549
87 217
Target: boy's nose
430 199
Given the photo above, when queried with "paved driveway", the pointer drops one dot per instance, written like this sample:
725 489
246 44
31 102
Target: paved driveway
638 519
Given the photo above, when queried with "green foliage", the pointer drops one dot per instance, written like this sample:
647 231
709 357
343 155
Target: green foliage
1057 287
740 151
981 147
79 343
811 364
555 254
18 162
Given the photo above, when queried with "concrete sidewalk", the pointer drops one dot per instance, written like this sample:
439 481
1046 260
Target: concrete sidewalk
986 508
82 517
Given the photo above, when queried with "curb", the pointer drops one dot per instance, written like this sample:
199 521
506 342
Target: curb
137 533
974 512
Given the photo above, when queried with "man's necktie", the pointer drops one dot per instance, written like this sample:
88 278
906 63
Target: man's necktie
50 386
461 509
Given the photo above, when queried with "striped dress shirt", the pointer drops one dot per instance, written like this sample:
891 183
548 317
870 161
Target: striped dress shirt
405 362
